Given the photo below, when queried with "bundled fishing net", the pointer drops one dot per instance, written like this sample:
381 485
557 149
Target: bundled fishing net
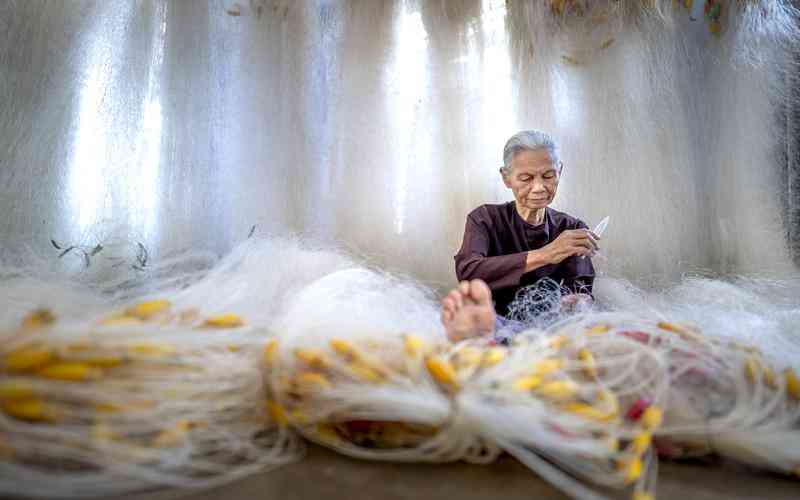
595 392
100 394
351 374
751 310
592 399
149 396
183 389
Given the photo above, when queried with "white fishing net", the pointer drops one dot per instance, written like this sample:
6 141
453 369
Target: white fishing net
195 371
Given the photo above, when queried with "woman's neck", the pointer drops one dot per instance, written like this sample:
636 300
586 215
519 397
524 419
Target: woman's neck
534 216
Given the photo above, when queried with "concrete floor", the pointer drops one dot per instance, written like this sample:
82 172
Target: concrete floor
324 474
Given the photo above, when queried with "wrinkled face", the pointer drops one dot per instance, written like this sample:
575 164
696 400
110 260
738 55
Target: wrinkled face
533 179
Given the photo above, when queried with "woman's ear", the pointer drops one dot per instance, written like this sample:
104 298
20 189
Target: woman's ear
503 174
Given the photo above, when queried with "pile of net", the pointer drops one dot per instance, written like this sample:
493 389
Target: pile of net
589 403
156 393
144 397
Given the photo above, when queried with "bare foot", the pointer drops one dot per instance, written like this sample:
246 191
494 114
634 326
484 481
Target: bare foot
467 311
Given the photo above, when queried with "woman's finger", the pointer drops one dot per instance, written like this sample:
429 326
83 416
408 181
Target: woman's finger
591 240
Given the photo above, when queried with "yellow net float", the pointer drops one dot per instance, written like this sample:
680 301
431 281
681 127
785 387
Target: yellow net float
792 383
558 390
27 359
589 363
547 366
224 321
641 443
121 320
442 372
312 382
652 418
277 413
598 329
590 412
13 389
270 352
528 383
493 356
29 409
148 309
73 372
630 470
413 345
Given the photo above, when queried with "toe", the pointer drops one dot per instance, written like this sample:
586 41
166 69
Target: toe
447 316
448 305
479 292
457 298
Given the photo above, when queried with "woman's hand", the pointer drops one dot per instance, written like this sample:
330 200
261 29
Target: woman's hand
581 242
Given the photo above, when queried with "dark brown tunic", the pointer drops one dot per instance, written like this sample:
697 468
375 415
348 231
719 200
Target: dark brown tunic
496 243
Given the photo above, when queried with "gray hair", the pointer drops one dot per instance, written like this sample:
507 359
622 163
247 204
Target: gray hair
528 140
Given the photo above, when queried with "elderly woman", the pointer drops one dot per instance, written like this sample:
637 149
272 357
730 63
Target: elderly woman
513 245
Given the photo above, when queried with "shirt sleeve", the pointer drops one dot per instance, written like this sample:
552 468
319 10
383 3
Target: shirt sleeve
473 262
578 273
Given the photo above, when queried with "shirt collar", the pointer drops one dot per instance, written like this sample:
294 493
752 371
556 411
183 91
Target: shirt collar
537 233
